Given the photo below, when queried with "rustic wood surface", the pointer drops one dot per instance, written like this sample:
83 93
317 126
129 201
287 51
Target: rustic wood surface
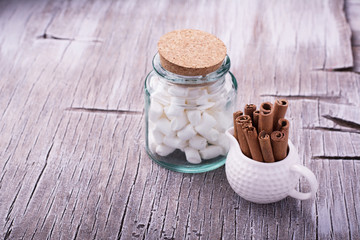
72 158
352 10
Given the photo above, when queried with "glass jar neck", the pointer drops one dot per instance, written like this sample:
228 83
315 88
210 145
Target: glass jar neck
191 80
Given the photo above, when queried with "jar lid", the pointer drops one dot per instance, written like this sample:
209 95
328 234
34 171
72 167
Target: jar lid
191 52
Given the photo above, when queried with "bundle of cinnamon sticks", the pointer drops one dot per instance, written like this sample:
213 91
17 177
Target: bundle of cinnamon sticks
263 134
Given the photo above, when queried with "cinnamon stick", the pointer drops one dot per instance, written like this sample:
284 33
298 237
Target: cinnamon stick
256 118
265 145
266 118
266 107
235 115
279 145
244 118
240 135
252 139
245 127
249 109
283 124
280 108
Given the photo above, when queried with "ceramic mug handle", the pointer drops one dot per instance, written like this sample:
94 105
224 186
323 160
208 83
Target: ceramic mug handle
310 177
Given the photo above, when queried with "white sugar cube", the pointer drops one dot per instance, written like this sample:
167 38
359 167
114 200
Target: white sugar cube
178 100
155 110
152 144
210 134
179 122
157 136
192 155
224 121
173 111
178 91
163 125
223 142
211 152
174 142
194 116
186 133
164 150
208 120
206 106
202 100
154 81
198 142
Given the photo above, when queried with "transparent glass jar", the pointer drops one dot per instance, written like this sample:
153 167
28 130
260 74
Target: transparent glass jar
186 117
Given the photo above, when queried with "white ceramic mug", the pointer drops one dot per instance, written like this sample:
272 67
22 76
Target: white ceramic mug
261 182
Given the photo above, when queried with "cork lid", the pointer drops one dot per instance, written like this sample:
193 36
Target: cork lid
191 52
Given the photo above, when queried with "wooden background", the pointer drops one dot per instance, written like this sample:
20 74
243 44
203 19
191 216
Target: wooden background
72 158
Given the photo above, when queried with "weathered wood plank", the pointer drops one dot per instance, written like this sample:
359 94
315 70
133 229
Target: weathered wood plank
72 158
352 10
356 54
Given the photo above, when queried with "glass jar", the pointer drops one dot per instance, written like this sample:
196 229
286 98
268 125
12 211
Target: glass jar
186 117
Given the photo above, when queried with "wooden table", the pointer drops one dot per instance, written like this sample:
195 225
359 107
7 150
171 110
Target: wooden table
72 158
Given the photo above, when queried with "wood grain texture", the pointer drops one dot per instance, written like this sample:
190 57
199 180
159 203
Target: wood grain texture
352 10
72 158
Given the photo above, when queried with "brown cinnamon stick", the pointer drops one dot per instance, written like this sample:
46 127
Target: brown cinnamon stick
245 127
249 109
256 118
266 118
240 135
265 145
279 145
266 107
252 139
244 118
283 124
280 108
235 115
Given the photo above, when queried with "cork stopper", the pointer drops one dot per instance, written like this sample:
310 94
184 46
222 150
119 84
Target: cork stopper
191 52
